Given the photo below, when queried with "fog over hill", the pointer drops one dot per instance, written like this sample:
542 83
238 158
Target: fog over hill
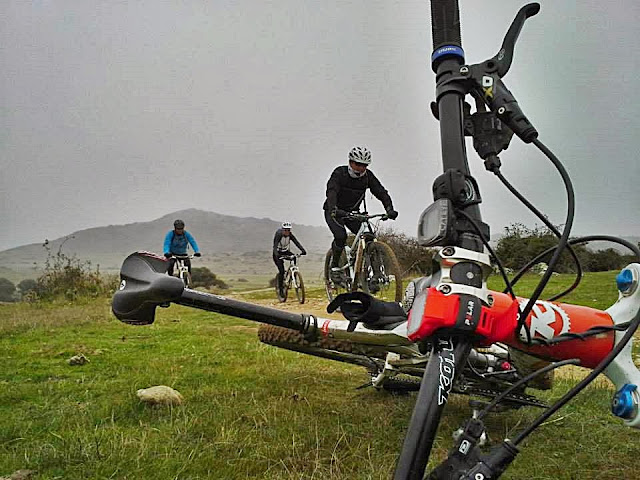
216 234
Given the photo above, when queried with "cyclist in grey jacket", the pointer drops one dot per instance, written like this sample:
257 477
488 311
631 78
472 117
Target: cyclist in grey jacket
281 248
346 189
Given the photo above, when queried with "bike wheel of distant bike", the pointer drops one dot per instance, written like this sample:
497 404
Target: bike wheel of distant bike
281 293
334 288
380 274
186 278
299 286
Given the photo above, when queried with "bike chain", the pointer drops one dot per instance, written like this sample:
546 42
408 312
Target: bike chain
522 398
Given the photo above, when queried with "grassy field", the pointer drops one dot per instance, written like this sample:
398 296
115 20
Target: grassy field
251 411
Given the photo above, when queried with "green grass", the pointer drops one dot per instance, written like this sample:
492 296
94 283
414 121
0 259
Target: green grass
251 411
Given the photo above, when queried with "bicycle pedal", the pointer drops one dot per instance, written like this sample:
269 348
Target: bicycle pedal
365 385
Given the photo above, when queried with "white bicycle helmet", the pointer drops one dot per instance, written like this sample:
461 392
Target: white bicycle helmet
360 155
286 225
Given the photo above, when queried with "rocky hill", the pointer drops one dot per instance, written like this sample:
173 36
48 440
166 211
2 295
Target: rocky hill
240 244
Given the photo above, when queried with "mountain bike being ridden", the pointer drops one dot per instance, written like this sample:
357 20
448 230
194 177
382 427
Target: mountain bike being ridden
182 269
292 279
452 313
176 244
367 264
281 251
346 190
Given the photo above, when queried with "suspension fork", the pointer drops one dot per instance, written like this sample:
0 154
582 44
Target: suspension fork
447 358
449 353
357 265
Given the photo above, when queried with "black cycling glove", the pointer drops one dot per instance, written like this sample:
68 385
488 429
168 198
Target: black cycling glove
338 213
391 213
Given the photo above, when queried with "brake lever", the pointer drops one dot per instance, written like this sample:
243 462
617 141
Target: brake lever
504 57
485 80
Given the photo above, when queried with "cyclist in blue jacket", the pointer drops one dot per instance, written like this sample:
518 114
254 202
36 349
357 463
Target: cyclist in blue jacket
176 242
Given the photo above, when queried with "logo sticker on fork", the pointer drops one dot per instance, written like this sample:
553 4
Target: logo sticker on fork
447 369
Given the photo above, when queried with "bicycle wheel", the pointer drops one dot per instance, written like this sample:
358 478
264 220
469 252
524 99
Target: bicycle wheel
372 358
332 288
299 285
186 278
340 350
281 293
380 275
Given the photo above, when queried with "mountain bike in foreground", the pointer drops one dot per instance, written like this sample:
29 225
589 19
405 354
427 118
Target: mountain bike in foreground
292 279
368 264
451 315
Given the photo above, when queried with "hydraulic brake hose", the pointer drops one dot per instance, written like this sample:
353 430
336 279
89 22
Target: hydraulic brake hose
551 227
564 239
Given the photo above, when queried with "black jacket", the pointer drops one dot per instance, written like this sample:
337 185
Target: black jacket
278 236
346 193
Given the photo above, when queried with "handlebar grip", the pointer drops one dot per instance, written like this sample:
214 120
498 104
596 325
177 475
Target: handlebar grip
445 23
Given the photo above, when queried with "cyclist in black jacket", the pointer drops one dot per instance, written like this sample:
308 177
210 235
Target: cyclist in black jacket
281 248
346 189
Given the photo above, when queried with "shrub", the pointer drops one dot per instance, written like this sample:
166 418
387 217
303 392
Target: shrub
7 290
203 277
413 258
69 278
26 286
520 244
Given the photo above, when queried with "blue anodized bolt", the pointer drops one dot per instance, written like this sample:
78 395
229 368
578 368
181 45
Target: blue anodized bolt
625 402
625 280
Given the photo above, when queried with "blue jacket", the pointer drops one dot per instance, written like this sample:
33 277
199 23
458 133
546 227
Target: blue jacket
174 243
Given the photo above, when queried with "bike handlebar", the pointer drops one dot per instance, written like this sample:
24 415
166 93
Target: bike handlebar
291 257
445 24
363 217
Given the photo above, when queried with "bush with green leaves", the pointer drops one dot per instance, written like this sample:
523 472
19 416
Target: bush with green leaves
203 277
67 277
520 244
7 290
26 285
413 258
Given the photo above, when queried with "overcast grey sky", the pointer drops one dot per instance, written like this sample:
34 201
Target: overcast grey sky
122 111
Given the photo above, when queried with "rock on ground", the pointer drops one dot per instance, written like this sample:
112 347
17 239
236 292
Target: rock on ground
160 395
78 360
19 475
